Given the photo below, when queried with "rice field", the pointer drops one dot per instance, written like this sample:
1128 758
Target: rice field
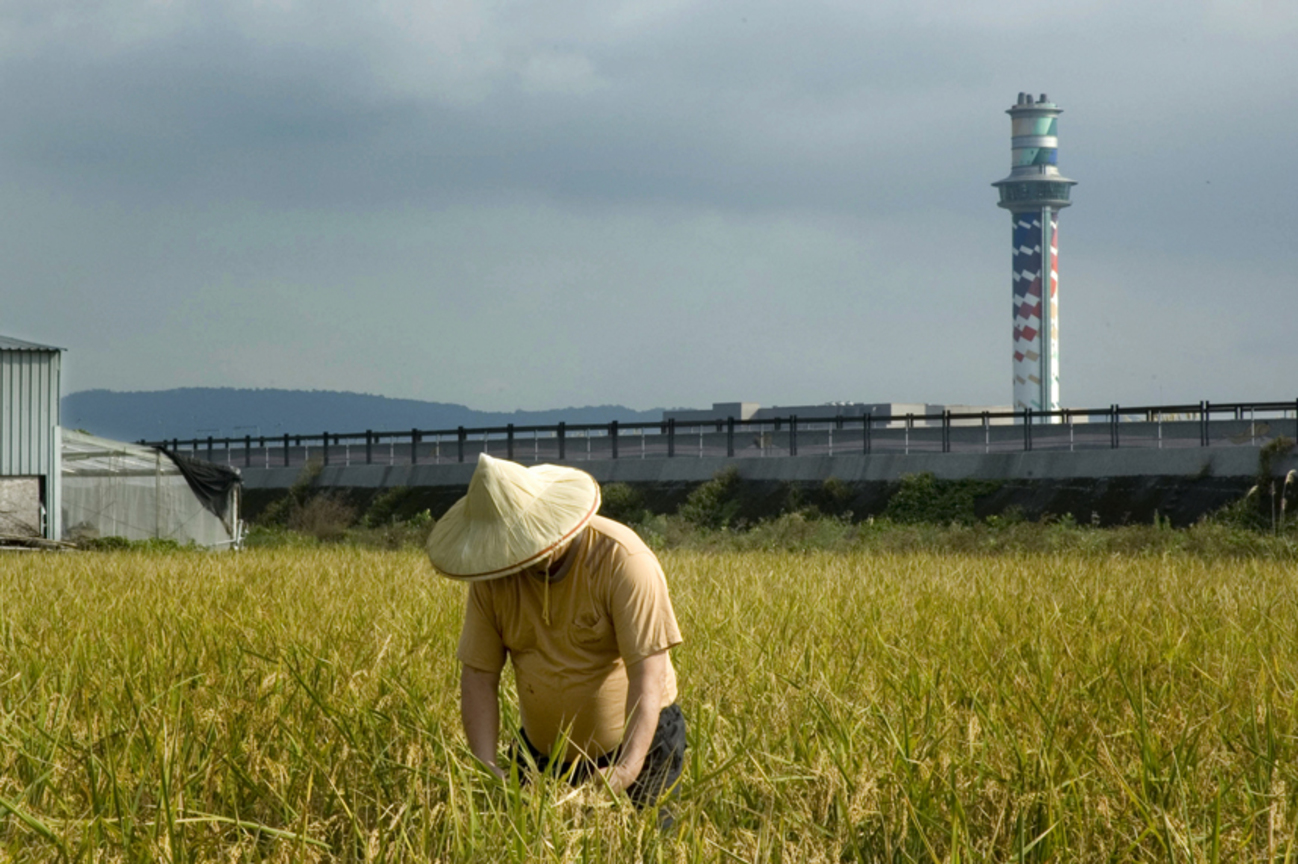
302 705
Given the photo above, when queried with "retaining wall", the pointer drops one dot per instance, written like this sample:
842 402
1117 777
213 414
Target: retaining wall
1109 486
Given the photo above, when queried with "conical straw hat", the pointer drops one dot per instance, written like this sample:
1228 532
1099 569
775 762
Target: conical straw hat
513 516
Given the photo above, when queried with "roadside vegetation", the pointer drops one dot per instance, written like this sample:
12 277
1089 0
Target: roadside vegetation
923 514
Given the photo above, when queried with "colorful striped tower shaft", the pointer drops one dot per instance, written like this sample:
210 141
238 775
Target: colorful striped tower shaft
1034 193
1036 324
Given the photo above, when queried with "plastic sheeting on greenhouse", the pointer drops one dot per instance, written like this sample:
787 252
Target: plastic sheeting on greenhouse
117 489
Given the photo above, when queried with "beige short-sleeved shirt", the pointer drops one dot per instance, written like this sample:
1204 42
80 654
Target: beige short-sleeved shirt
609 608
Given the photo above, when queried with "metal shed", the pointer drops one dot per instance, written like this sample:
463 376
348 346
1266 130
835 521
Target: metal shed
30 440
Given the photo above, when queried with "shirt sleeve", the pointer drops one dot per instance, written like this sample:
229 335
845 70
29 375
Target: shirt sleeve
642 609
481 645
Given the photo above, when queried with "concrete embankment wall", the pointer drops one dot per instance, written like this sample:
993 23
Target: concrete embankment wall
1113 486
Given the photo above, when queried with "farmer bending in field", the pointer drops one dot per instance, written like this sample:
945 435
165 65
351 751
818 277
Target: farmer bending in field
580 606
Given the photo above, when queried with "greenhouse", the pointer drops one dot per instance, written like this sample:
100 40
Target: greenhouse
118 489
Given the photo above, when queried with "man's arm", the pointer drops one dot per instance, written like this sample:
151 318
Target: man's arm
644 699
480 713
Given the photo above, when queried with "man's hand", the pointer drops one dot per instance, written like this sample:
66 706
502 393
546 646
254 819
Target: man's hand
480 713
617 778
644 697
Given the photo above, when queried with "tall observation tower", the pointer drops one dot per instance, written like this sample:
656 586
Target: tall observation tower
1034 193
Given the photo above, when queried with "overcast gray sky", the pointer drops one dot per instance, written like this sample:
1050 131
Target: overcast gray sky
653 203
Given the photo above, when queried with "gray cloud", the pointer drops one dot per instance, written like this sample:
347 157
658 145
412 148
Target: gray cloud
651 203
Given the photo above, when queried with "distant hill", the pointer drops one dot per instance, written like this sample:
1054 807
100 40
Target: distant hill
191 412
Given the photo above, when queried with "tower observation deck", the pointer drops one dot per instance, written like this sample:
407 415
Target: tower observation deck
1034 193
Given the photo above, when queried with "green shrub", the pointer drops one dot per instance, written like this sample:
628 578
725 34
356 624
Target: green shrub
280 511
385 509
622 503
924 498
325 517
833 497
713 504
830 498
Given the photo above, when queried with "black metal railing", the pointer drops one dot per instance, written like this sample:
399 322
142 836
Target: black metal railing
1202 424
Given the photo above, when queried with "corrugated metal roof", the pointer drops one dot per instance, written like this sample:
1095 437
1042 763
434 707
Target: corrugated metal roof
9 344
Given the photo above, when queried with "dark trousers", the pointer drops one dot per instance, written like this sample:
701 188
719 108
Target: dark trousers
662 764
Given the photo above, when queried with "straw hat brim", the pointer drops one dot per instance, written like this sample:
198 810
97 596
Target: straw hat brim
513 517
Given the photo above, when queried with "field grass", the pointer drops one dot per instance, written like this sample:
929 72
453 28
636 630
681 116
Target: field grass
301 705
